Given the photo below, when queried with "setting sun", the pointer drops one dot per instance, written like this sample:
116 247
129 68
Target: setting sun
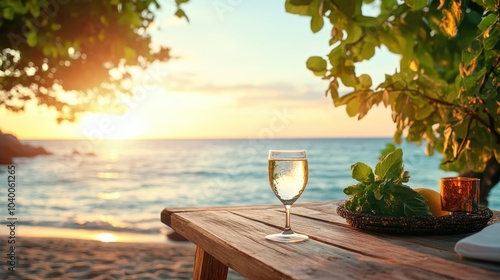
106 237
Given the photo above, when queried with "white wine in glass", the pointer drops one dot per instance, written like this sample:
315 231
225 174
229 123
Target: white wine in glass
288 173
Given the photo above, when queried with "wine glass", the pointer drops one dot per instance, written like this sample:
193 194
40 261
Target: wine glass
287 173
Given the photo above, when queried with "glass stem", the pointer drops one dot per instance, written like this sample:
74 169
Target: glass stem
288 229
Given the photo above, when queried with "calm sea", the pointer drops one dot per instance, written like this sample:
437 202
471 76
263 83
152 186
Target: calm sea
124 185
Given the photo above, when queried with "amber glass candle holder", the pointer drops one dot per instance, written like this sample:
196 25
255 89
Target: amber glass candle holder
459 194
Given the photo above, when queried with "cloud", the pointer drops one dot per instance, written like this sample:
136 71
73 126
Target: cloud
246 93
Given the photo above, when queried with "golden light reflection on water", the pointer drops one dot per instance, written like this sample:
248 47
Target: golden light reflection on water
109 196
108 175
106 237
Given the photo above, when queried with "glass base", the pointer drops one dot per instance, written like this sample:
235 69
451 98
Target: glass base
287 238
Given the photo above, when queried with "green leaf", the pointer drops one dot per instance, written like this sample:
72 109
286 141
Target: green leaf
317 65
336 58
397 136
413 204
472 52
32 39
351 190
471 82
492 5
304 10
8 13
367 51
354 32
181 14
362 172
316 23
491 36
347 76
365 81
352 107
390 41
487 21
345 99
424 112
391 166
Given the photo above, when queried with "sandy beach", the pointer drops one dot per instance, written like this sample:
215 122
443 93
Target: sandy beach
63 258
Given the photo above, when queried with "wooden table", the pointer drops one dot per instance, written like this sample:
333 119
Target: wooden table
234 237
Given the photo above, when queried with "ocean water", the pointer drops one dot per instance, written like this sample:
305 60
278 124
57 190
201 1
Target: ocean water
123 185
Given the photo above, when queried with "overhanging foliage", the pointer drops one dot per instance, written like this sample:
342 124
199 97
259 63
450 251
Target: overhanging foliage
446 90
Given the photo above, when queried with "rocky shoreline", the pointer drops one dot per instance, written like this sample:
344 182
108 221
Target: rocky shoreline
11 147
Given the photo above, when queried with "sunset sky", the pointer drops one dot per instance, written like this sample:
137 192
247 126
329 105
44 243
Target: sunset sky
240 74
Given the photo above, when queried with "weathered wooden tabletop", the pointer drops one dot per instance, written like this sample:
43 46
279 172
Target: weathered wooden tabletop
234 237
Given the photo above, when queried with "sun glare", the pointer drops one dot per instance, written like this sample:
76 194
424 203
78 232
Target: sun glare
106 237
113 127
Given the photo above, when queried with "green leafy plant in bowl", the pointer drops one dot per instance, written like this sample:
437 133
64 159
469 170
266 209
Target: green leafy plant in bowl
383 192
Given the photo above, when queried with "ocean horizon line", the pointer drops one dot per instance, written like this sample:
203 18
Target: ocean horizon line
187 139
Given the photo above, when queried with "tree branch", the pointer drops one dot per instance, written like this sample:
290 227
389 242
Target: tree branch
461 147
490 125
493 66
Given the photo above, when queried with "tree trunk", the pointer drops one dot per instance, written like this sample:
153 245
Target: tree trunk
489 178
